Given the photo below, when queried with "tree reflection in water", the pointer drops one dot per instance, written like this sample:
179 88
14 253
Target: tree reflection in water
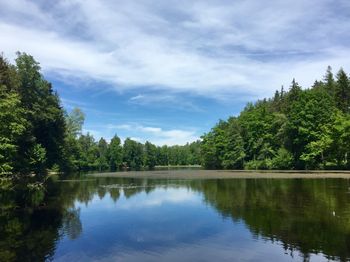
306 215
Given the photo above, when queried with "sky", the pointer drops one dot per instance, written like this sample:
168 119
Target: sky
166 71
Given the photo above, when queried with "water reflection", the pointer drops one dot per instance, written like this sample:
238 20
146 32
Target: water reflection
112 219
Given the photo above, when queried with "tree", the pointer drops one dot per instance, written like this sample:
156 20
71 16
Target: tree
133 154
150 155
306 119
194 153
43 110
329 81
234 151
163 155
88 152
315 153
102 155
115 154
293 95
13 115
342 91
283 160
340 135
74 122
72 153
213 146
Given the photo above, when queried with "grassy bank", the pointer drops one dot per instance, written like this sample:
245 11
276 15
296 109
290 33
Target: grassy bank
225 174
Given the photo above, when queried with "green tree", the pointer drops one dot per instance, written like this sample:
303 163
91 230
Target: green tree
163 155
213 146
342 91
43 110
234 153
89 152
194 153
307 117
115 154
150 155
329 82
340 135
71 150
283 160
133 154
74 122
102 155
13 115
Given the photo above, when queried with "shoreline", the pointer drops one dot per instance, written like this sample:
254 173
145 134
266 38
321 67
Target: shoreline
226 174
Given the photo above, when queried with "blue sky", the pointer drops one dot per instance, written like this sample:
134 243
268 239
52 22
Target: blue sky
166 71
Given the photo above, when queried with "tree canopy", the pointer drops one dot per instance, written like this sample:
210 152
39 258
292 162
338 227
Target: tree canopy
33 126
297 129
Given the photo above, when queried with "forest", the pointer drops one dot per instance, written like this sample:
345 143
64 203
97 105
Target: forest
86 154
295 129
37 136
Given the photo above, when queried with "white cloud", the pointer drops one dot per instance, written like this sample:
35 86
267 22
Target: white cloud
123 126
95 133
154 130
69 103
160 197
156 135
137 139
173 101
217 49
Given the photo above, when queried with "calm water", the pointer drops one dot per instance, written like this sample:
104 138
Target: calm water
181 220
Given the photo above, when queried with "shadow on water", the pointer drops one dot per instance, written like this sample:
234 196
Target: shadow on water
306 216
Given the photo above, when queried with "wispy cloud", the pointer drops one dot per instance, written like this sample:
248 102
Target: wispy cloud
216 49
95 133
175 101
160 197
135 63
141 133
87 108
69 103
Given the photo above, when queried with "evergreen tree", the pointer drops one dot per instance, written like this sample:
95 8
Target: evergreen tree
342 91
102 155
329 81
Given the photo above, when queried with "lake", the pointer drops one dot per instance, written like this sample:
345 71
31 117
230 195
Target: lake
136 219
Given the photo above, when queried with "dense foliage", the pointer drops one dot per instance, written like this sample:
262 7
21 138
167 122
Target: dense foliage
91 155
298 129
32 129
86 154
37 135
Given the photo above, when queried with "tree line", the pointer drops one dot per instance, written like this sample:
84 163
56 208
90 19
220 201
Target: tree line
295 129
37 134
86 154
